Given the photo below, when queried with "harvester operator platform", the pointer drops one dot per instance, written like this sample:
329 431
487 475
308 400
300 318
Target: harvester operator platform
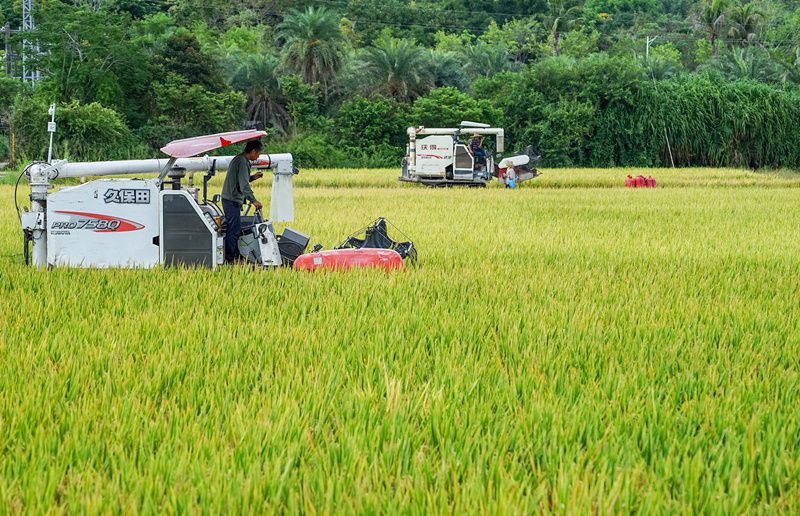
235 191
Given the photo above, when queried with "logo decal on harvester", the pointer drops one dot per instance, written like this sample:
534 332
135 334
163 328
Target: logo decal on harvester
79 220
127 196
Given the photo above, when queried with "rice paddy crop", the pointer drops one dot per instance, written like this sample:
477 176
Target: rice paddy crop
570 346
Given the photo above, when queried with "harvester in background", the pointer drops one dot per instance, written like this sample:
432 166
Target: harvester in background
142 222
444 157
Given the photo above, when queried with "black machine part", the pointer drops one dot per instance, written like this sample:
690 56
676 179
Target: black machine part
376 236
175 175
206 178
185 240
291 244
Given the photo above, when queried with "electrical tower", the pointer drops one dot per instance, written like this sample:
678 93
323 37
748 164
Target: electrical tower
10 55
29 48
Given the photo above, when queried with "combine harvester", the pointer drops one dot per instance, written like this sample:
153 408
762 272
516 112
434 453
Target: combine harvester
442 158
144 223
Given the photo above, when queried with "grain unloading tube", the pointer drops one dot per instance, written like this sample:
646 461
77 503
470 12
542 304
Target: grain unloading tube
122 222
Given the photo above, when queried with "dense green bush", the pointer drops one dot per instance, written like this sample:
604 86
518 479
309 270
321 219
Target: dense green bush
448 107
8 90
704 121
4 148
362 123
311 150
185 110
602 111
85 132
321 150
555 104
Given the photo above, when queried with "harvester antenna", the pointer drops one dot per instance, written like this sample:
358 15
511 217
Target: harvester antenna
51 128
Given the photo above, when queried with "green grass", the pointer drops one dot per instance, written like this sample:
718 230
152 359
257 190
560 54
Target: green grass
582 349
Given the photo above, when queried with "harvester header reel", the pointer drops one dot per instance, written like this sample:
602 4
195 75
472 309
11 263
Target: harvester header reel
376 236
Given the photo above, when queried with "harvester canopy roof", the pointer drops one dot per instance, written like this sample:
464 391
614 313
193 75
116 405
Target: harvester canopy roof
189 147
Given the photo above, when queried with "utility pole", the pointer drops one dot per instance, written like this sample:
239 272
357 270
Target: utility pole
7 34
650 41
29 48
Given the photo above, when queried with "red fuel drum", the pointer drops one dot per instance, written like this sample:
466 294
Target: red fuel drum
650 182
630 182
344 259
641 182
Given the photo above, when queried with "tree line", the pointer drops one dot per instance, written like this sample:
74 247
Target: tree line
587 83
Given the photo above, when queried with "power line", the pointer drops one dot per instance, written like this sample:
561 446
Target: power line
415 25
345 4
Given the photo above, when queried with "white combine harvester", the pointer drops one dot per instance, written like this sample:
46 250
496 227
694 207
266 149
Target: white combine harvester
144 223
440 157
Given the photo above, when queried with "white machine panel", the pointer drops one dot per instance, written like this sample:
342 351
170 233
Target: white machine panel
104 223
434 153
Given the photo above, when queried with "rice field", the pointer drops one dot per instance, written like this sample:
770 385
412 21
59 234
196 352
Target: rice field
567 347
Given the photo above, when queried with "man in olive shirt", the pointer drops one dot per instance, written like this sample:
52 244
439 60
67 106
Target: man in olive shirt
235 191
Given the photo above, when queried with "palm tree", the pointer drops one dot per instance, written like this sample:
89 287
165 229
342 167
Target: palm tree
257 75
745 20
485 60
396 67
713 19
447 69
662 64
561 19
748 63
790 65
313 44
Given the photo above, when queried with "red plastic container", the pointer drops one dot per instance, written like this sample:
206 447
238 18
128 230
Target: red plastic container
345 259
641 182
630 182
650 182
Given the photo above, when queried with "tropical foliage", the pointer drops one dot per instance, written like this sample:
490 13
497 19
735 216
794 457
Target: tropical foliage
571 77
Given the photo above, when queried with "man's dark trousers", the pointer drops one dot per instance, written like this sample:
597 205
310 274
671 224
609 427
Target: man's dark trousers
233 223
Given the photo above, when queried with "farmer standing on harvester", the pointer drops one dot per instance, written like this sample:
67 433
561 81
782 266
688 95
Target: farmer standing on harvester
235 191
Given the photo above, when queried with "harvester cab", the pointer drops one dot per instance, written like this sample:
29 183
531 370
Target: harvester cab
459 156
147 222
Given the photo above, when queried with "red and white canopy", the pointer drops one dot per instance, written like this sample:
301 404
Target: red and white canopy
189 147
